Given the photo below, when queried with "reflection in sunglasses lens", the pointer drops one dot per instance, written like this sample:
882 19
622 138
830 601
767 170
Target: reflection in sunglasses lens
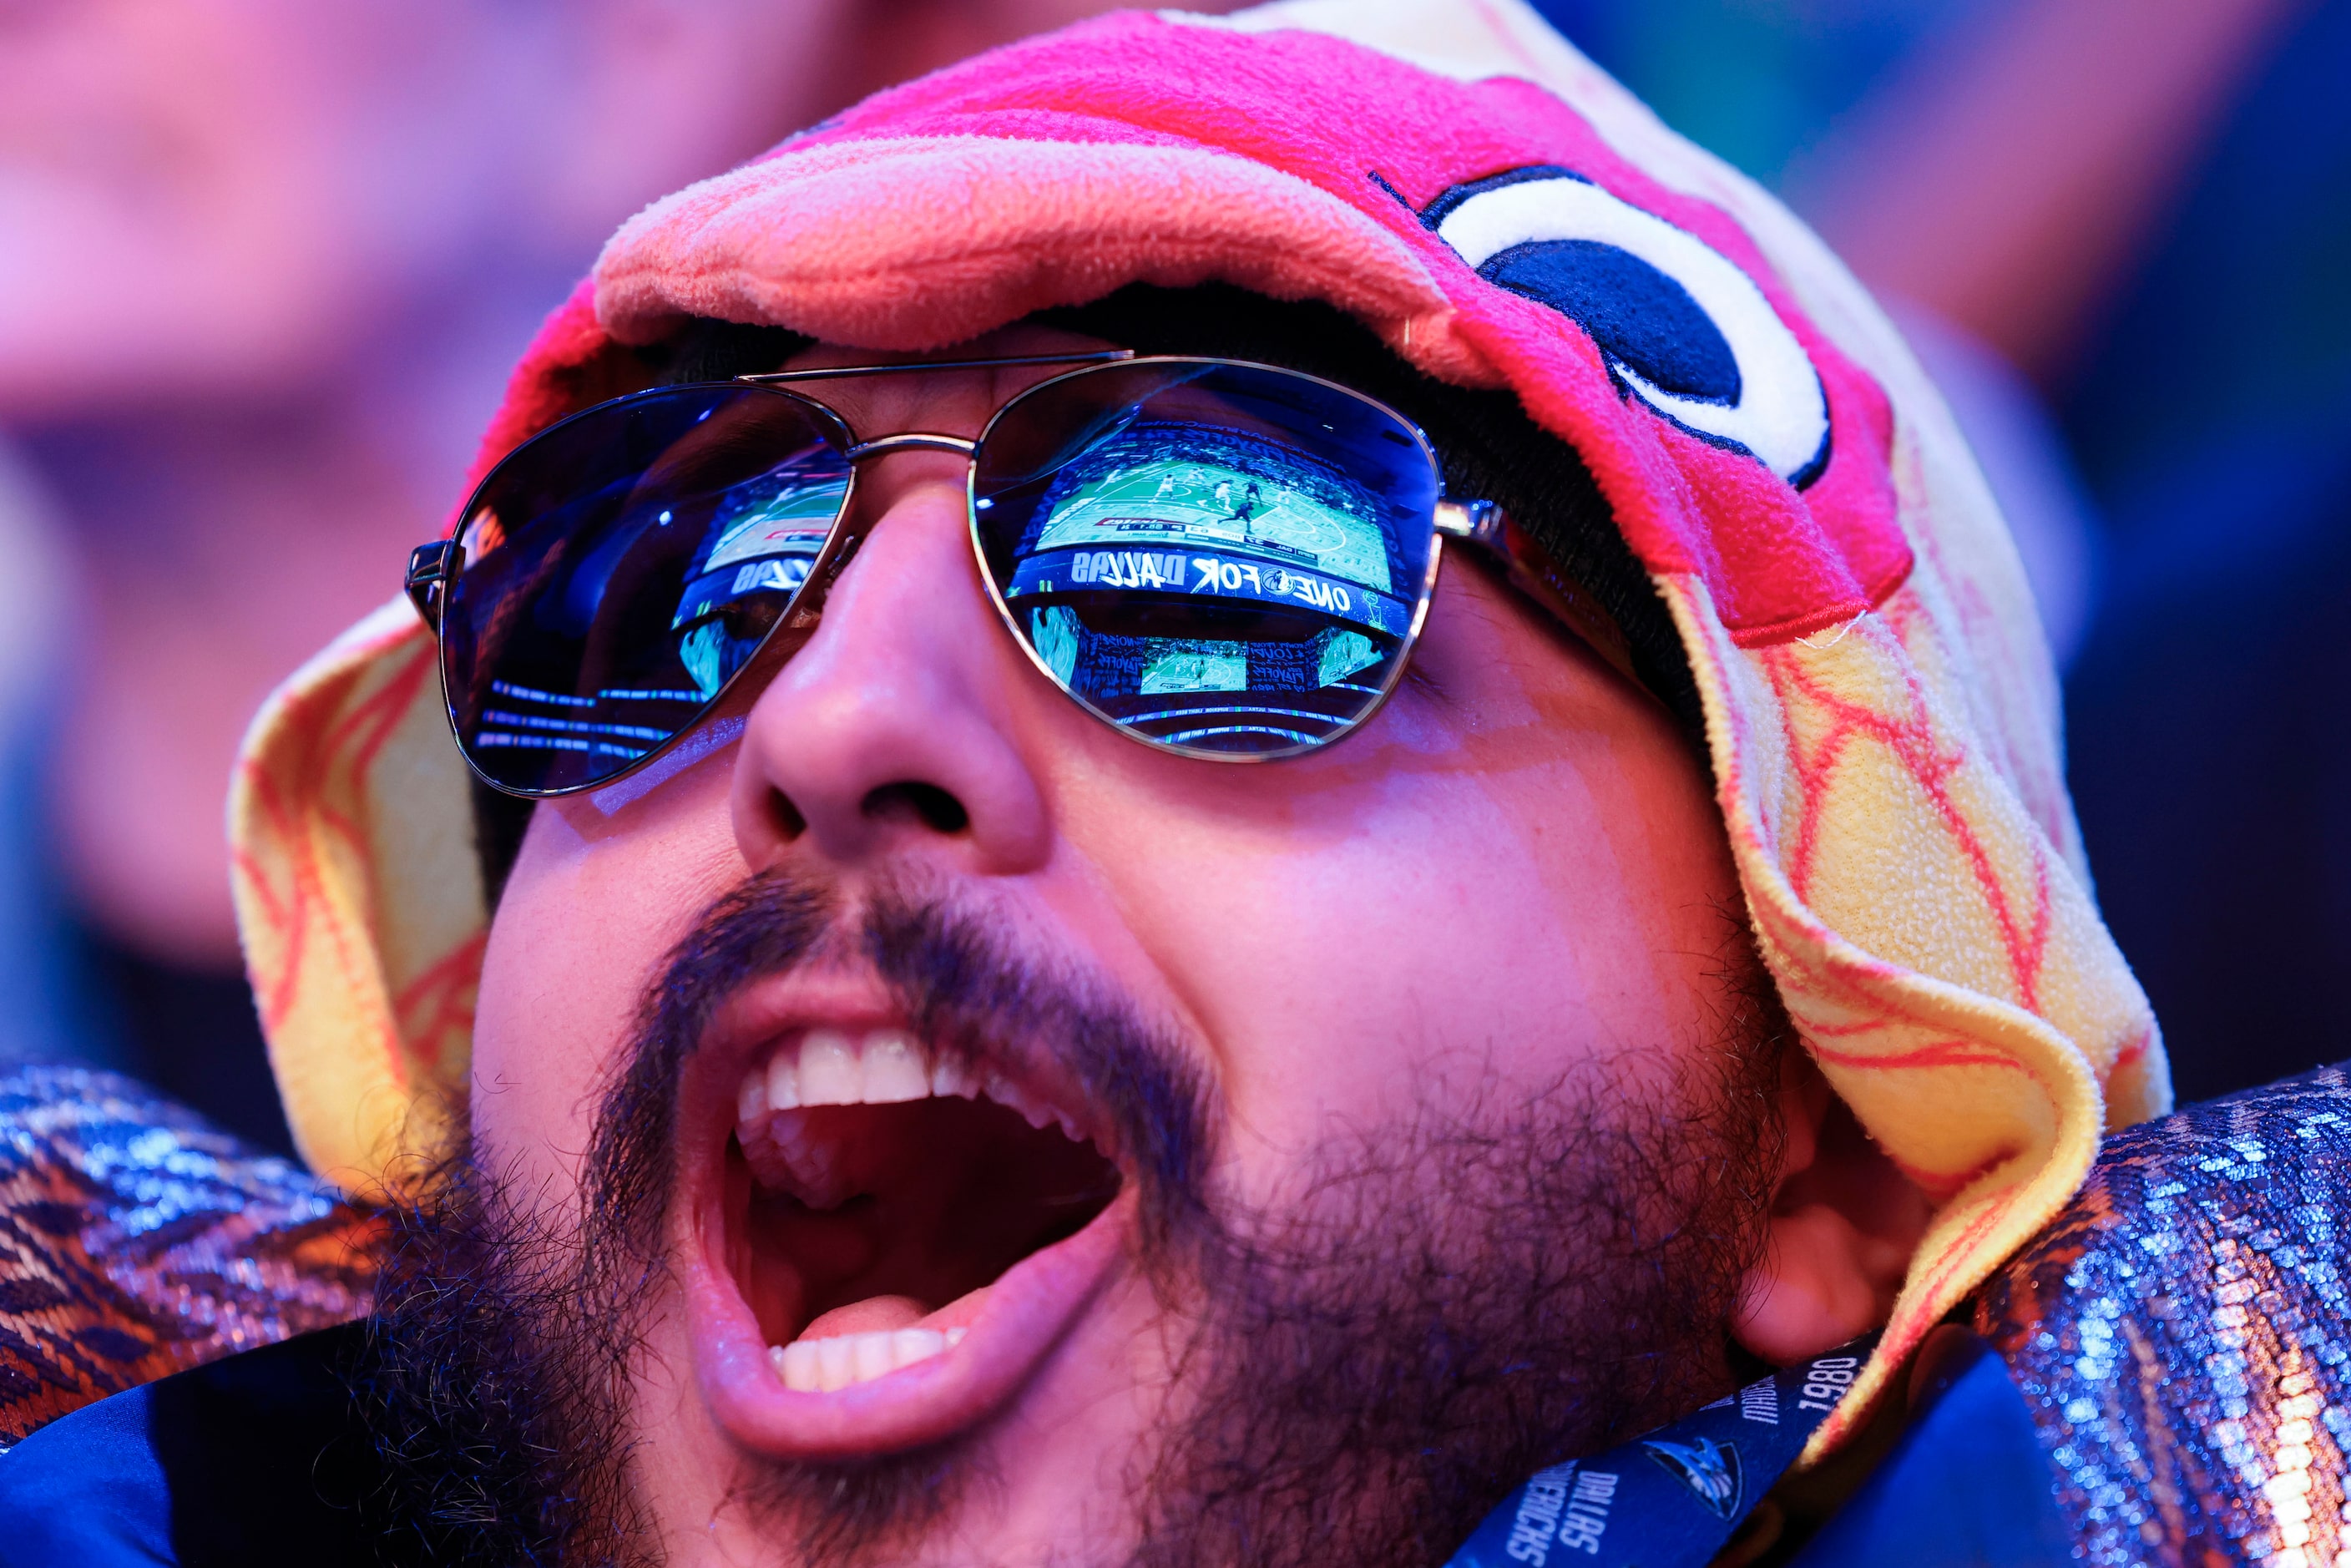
1231 564
619 568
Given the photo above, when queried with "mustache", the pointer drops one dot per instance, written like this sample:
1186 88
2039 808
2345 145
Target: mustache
966 986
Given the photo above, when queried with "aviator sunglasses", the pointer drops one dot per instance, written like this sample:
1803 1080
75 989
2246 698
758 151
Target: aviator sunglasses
1219 559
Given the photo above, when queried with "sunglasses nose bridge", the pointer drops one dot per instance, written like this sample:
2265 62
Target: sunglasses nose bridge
912 440
841 544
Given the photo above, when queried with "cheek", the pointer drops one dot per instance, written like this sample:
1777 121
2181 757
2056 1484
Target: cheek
1482 895
586 921
1412 942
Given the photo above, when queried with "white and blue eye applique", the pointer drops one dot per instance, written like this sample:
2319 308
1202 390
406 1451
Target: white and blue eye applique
1682 327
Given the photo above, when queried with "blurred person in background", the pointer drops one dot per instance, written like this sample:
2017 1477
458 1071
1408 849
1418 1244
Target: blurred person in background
2117 232
2211 411
262 266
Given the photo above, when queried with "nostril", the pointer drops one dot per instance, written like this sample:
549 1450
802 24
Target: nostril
928 804
785 817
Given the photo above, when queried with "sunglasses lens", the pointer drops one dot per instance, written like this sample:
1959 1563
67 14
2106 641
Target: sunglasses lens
1222 557
620 568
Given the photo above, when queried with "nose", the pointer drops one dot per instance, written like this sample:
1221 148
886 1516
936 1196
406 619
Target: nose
893 731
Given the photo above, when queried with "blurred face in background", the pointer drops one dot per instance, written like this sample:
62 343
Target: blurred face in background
216 197
211 195
266 265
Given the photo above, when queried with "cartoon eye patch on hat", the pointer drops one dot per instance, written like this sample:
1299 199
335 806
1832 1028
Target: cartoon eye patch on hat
1683 328
1734 441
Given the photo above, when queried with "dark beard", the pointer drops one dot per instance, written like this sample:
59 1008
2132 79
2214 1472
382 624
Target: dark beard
1363 1365
493 1385
1441 1307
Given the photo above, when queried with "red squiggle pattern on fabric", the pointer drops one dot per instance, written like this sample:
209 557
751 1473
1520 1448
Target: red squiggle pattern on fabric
1931 762
343 740
1940 1054
1803 754
1961 1253
437 1007
288 901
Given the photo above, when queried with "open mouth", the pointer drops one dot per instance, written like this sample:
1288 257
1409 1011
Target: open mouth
896 1237
884 1192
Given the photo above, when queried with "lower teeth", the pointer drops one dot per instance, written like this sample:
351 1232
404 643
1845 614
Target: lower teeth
821 1365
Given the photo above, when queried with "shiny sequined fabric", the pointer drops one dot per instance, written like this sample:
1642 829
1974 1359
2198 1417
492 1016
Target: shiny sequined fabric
136 1241
2183 1336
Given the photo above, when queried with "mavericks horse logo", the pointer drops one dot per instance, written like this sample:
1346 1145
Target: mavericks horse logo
1710 1470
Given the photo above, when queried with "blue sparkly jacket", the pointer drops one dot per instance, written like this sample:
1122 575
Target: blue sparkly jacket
2159 1377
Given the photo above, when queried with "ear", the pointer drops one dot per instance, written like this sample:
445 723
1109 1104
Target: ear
1844 1222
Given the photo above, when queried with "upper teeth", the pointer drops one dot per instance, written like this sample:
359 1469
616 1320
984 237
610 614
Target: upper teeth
821 1365
831 1067
881 1066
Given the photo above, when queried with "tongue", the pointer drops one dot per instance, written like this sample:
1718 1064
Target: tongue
874 1314
882 1313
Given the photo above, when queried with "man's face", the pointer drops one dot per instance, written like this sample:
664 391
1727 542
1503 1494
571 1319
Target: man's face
1411 1083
